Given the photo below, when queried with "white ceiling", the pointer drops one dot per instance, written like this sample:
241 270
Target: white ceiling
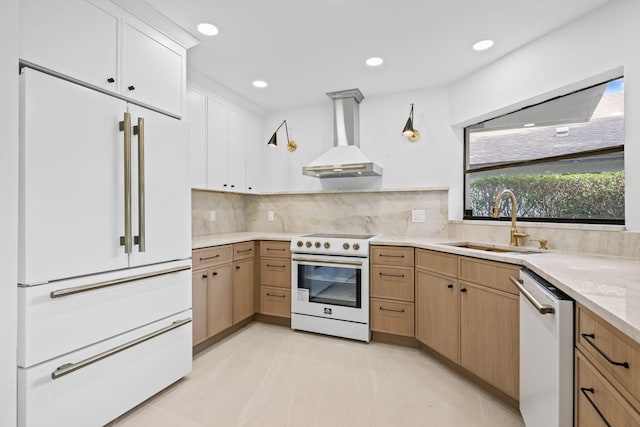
305 48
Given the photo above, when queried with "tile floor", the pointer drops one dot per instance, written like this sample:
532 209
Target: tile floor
267 375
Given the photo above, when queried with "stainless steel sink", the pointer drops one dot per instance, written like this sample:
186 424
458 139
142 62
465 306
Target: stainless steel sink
489 247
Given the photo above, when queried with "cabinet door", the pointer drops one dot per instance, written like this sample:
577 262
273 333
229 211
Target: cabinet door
438 313
237 169
217 145
489 328
71 37
199 305
196 117
254 147
219 299
242 289
167 195
152 71
72 180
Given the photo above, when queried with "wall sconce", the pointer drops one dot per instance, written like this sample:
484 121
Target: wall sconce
408 131
273 142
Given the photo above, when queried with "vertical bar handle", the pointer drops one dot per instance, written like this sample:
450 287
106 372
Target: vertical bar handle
126 127
141 186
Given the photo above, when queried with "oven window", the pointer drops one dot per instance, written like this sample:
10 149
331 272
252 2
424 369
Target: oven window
331 285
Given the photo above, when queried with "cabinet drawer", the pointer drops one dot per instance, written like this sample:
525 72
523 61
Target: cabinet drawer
275 301
492 274
392 282
275 272
49 326
437 262
392 317
597 400
97 392
207 257
392 255
275 249
243 250
596 338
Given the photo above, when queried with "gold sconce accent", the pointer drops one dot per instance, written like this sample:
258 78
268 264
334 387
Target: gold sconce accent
273 141
409 131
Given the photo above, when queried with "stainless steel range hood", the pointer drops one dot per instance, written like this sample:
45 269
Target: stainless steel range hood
345 159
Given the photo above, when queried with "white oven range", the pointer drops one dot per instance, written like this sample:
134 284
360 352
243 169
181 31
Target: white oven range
330 285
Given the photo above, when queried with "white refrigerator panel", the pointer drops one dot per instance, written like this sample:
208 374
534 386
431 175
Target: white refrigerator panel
106 379
60 317
71 180
166 194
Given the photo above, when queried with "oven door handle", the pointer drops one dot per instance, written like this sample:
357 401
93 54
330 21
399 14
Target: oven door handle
328 261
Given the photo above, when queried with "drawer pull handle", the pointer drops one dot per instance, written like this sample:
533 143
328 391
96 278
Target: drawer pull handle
392 256
244 250
276 266
584 391
589 337
92 287
541 308
275 295
395 310
392 275
210 257
276 249
71 367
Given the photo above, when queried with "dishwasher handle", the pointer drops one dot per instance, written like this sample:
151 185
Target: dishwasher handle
542 308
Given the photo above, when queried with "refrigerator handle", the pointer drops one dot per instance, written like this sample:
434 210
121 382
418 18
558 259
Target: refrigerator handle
139 130
125 126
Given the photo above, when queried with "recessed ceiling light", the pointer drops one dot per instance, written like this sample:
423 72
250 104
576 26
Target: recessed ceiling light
374 61
528 125
483 45
259 83
208 29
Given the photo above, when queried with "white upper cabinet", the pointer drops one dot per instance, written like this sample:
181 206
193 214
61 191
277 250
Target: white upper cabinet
254 148
196 117
98 43
152 72
217 137
72 37
236 164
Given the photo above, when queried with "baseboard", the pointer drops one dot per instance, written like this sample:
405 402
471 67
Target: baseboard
395 339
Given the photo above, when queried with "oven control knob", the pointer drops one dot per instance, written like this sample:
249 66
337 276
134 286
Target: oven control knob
318 244
309 244
327 245
356 246
345 245
300 243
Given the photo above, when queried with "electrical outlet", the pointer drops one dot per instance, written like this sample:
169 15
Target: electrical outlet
212 215
418 215
270 216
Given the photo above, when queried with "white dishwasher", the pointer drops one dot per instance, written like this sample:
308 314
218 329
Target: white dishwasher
546 352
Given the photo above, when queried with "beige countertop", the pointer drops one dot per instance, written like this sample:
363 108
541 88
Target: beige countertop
609 286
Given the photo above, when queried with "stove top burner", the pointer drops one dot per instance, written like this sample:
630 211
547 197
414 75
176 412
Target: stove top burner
342 236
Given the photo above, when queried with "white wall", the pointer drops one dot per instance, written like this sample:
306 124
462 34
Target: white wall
591 49
421 164
9 210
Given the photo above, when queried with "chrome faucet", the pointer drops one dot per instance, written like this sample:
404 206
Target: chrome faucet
515 234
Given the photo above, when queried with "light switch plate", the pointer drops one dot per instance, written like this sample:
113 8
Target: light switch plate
418 215
270 216
212 215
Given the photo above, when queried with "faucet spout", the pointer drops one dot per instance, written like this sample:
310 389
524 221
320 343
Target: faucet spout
514 234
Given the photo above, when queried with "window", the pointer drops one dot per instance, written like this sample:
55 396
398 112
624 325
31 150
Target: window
563 159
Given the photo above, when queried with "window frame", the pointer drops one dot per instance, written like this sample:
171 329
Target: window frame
575 155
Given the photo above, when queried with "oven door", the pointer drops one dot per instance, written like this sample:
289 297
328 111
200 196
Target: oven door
330 286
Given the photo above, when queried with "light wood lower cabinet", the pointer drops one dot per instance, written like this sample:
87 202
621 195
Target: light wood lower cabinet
392 317
218 299
598 403
275 278
489 329
222 288
242 295
473 322
438 313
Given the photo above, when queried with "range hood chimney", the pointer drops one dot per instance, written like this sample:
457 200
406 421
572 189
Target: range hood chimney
345 159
